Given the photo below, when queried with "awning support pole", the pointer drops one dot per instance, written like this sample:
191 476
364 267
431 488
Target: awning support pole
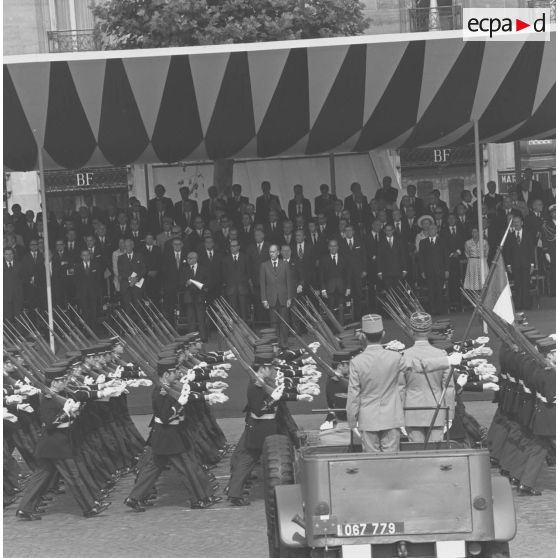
42 188
480 197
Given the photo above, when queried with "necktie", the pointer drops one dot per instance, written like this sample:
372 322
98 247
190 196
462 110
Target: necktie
91 251
35 257
390 240
130 257
259 249
518 237
10 265
334 259
273 227
210 255
71 245
432 241
235 258
453 230
351 243
398 226
87 267
275 264
177 257
102 239
300 252
149 249
193 268
123 228
299 209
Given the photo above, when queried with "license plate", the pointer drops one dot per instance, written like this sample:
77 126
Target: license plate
370 529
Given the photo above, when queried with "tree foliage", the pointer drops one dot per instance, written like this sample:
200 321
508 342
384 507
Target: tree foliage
127 24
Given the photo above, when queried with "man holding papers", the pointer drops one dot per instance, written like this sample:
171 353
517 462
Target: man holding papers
194 278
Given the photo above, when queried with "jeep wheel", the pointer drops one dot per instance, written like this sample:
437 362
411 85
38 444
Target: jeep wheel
277 464
496 550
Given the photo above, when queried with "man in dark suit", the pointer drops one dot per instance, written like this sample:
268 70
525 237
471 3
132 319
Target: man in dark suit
236 278
387 192
287 235
210 205
354 253
236 203
29 228
463 220
455 241
60 278
434 262
56 228
211 257
519 255
305 256
13 289
99 263
84 223
185 205
194 277
550 194
272 228
265 202
131 271
111 221
88 275
467 203
276 291
34 278
335 215
492 200
357 204
372 244
529 189
246 231
173 264
334 279
153 267
534 220
299 205
392 258
324 202
139 213
18 218
258 252
416 203
158 203
158 216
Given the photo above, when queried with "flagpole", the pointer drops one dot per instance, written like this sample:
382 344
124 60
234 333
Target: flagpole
42 188
480 197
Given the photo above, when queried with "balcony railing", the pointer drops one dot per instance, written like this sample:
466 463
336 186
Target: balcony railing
550 4
443 18
73 40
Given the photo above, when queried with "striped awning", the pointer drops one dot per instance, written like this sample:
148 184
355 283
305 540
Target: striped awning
275 99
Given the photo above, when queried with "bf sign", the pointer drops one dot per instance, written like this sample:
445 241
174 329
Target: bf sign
84 178
441 155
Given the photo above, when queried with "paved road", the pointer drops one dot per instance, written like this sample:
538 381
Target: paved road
172 530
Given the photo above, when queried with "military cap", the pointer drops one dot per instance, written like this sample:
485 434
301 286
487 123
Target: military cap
546 345
73 354
341 356
444 345
372 323
166 354
534 336
54 372
263 359
420 321
90 351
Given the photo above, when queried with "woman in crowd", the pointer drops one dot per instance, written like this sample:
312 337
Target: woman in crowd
473 280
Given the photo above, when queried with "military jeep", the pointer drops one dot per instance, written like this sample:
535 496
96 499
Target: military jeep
332 501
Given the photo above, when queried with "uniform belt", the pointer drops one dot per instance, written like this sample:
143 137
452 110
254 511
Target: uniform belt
64 425
268 416
172 422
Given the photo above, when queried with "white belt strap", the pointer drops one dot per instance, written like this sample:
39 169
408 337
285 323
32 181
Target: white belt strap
268 416
172 422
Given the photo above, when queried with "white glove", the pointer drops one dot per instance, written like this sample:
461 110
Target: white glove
11 399
482 340
25 407
214 398
477 362
229 355
455 359
200 365
299 289
314 347
8 416
184 395
308 369
402 430
223 366
142 374
547 258
101 379
304 397
395 345
462 379
448 426
28 390
490 386
145 383
133 383
217 385
218 373
188 376
310 389
308 360
68 406
277 393
324 293
88 380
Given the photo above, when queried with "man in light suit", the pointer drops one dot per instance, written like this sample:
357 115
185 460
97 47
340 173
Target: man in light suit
423 388
373 399
276 291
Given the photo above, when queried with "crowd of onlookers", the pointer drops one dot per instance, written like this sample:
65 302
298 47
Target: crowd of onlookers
185 254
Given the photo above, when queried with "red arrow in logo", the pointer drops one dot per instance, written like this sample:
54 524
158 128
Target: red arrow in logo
519 25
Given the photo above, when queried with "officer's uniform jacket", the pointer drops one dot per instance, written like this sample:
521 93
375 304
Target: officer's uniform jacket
424 389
